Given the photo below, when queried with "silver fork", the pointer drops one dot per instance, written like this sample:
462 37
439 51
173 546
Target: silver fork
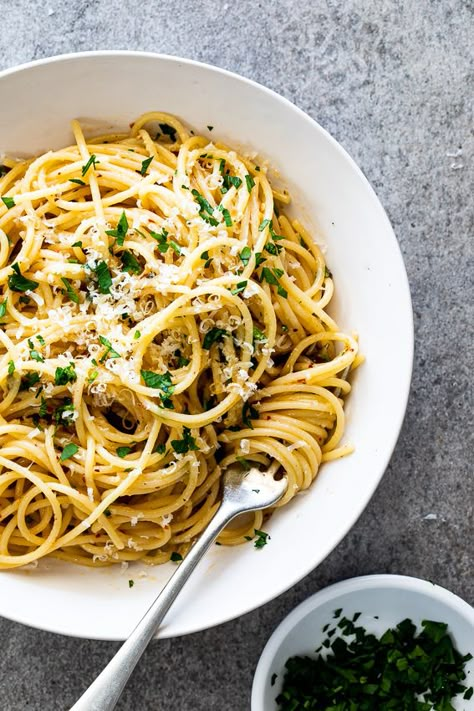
241 493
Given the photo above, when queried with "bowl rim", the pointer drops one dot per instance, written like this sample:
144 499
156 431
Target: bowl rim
363 582
405 374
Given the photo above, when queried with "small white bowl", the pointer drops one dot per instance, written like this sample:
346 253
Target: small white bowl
384 601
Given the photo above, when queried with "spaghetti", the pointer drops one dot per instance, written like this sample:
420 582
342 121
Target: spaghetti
161 320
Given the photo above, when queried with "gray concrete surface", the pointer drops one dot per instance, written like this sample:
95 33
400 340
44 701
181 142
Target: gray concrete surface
393 82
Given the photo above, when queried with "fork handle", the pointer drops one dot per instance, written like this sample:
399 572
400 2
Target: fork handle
105 691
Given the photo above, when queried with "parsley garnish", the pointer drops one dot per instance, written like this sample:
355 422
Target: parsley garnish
9 202
160 448
176 557
130 263
78 181
262 538
226 216
364 672
73 295
245 255
110 352
131 583
210 128
63 376
123 451
205 255
104 278
230 181
17 282
271 277
159 381
250 182
3 307
145 165
68 451
64 414
160 237
239 287
34 355
249 413
136 335
121 230
259 259
168 130
264 224
273 249
92 161
258 335
203 203
327 273
11 367
188 443
212 336
43 410
29 380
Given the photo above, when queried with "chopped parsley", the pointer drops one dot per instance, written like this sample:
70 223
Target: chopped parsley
202 202
176 557
11 367
168 130
64 414
250 182
327 273
68 451
34 355
226 216
159 381
271 277
130 263
131 583
230 181
264 224
43 409
273 248
70 291
3 308
91 162
123 451
104 278
262 538
245 255
121 230
29 380
109 352
241 286
259 259
17 282
186 444
63 376
78 181
401 671
136 335
213 336
205 255
249 413
209 128
258 335
145 165
9 202
160 448
163 245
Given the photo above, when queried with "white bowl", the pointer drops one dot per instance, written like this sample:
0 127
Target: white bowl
109 89
391 598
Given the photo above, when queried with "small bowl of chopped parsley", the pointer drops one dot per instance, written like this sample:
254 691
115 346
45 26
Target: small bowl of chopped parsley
375 643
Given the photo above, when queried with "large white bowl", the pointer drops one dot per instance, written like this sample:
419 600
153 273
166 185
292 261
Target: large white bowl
383 601
109 89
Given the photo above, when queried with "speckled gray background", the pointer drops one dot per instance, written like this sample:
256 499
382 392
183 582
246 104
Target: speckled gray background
393 81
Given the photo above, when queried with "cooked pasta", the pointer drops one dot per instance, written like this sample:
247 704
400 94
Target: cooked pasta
162 319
